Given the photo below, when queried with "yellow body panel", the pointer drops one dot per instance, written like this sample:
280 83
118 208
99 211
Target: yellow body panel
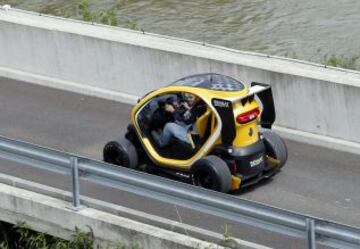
242 131
167 162
202 121
235 182
245 137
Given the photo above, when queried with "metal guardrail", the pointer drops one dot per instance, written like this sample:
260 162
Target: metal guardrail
315 230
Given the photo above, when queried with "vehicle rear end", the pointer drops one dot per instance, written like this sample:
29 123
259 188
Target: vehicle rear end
250 158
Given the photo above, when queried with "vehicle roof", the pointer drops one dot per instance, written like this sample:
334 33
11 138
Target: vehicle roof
208 86
211 81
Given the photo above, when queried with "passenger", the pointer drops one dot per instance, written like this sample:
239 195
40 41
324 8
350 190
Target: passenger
184 121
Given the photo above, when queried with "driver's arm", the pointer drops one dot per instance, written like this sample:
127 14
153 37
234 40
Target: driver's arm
190 116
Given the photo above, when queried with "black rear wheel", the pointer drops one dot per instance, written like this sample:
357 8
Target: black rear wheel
213 173
122 153
275 146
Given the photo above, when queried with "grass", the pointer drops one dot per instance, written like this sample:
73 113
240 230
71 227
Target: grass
107 17
341 61
21 236
58 9
81 9
228 240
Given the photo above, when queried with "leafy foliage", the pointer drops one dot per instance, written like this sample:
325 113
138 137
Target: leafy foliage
107 17
20 236
228 240
342 61
348 62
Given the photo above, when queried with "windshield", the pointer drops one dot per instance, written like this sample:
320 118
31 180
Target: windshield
215 82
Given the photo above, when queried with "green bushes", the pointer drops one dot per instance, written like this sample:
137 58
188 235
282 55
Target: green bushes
20 236
342 61
107 17
347 62
81 9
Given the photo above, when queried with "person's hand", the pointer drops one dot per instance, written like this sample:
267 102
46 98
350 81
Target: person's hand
169 108
186 105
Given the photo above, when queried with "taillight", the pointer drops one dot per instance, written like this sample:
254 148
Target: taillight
248 116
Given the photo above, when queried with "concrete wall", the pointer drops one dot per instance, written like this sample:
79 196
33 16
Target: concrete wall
49 212
122 65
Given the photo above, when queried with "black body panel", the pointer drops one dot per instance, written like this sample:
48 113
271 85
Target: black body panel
268 114
249 180
225 110
250 160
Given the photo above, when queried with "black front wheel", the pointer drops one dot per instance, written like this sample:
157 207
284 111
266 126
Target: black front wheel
213 173
122 153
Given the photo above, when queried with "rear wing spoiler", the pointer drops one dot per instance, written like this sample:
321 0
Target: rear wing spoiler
264 93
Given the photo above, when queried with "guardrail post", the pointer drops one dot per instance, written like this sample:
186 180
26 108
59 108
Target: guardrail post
75 182
310 229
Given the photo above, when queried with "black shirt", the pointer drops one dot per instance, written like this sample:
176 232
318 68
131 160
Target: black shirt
190 116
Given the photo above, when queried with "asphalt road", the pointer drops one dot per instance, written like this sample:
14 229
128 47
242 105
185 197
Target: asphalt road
316 181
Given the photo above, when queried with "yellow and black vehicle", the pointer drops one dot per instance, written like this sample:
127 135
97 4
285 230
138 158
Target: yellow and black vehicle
233 145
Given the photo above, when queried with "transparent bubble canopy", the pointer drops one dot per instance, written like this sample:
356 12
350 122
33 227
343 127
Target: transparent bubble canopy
211 81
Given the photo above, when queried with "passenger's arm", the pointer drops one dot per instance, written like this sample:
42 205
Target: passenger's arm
191 115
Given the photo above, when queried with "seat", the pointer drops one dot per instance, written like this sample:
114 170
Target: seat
180 150
203 123
203 126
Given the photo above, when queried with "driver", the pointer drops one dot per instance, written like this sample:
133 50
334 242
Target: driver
183 121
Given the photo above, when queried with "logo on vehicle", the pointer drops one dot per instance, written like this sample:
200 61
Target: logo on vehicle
221 104
256 162
251 132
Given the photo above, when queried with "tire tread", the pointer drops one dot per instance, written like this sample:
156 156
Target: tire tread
277 144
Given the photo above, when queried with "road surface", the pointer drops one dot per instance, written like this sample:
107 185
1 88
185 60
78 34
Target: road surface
316 181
